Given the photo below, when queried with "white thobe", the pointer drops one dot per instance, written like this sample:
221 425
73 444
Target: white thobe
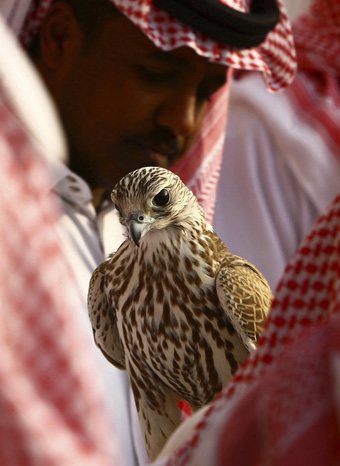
278 176
87 239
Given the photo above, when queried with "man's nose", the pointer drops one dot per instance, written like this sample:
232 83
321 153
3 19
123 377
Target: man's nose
179 114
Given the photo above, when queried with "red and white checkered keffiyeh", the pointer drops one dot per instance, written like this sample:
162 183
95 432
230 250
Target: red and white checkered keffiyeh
315 91
200 168
50 398
283 406
275 57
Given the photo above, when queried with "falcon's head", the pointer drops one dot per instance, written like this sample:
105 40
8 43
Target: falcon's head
153 198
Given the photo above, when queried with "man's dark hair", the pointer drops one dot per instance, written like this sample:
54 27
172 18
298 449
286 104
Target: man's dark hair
89 13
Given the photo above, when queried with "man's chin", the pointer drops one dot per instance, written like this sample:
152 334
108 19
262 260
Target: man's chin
158 160
114 175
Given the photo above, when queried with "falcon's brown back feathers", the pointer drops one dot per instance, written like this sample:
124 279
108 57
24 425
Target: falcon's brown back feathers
173 302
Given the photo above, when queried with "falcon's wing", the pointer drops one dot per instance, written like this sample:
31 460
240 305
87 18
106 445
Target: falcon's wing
245 296
103 320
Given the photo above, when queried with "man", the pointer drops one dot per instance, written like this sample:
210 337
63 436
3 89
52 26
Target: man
132 86
122 107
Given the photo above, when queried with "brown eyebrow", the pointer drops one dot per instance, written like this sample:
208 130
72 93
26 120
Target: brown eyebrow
166 57
219 79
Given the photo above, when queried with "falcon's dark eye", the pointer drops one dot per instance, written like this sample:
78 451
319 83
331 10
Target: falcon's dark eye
162 198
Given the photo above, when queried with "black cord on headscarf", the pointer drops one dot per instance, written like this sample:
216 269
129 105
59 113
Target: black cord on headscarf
224 24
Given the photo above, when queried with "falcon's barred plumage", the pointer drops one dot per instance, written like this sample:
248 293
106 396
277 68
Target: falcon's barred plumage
173 306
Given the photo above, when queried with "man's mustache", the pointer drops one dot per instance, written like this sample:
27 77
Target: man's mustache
162 142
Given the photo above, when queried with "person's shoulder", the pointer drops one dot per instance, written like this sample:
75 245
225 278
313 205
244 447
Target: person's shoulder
249 88
253 105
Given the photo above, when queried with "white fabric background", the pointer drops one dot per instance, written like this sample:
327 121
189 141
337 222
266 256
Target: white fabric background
296 7
277 178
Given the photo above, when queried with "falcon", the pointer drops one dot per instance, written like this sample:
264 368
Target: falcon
173 306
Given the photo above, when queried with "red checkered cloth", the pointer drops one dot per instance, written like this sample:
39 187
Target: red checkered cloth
291 416
50 398
200 168
283 405
315 92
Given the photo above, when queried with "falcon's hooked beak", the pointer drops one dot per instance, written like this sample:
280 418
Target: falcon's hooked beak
136 229
138 226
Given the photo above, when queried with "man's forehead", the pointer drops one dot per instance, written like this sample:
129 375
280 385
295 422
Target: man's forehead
170 57
121 37
184 57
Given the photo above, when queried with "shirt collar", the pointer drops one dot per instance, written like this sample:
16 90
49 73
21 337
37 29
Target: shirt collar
69 186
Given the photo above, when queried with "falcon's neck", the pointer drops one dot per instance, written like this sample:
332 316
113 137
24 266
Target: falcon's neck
182 245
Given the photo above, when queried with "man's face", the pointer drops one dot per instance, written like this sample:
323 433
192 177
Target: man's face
126 104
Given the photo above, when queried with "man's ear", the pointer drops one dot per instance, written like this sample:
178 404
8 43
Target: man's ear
60 36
